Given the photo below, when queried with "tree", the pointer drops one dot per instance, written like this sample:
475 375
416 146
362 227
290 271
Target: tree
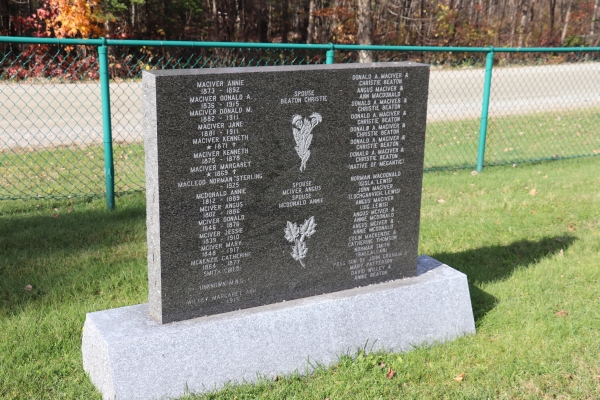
65 18
566 25
4 17
365 27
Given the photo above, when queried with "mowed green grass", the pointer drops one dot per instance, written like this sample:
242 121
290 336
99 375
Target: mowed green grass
528 239
514 139
69 171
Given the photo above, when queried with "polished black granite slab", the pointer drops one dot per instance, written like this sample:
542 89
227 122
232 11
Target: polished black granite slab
274 183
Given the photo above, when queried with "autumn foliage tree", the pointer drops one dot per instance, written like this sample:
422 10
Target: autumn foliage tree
66 18
407 22
76 18
61 19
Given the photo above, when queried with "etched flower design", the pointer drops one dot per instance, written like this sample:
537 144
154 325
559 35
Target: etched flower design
297 234
302 128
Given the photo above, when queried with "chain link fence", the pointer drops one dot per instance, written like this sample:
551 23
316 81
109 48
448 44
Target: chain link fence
542 105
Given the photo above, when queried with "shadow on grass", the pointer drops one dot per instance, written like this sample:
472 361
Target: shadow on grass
44 251
40 235
35 249
494 263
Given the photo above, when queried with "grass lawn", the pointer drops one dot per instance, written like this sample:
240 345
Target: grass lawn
514 139
528 239
69 171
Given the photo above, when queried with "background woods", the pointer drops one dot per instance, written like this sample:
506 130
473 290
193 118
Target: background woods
406 22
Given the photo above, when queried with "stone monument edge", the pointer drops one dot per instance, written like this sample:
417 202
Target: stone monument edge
93 342
147 360
152 194
282 68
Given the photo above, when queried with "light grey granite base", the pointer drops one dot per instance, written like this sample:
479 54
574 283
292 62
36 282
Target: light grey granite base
128 355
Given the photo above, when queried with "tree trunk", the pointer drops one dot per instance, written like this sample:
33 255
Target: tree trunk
471 13
422 34
365 27
560 10
237 22
523 25
531 21
133 16
311 22
215 15
336 20
4 18
263 24
552 4
303 22
566 25
270 23
247 18
499 23
594 13
285 21
513 24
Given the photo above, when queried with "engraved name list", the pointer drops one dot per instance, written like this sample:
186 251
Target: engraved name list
270 184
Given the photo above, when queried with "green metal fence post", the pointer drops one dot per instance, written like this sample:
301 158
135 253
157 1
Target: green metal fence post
330 55
489 62
109 169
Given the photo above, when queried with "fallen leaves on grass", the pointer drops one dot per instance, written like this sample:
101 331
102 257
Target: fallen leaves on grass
533 192
460 377
441 201
561 313
572 227
390 373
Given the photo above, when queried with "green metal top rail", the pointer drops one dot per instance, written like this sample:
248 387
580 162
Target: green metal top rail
329 46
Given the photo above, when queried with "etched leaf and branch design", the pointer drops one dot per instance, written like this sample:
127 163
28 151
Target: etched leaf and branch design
297 234
302 129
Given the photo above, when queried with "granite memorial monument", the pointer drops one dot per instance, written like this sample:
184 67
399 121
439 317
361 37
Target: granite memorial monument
266 185
283 208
